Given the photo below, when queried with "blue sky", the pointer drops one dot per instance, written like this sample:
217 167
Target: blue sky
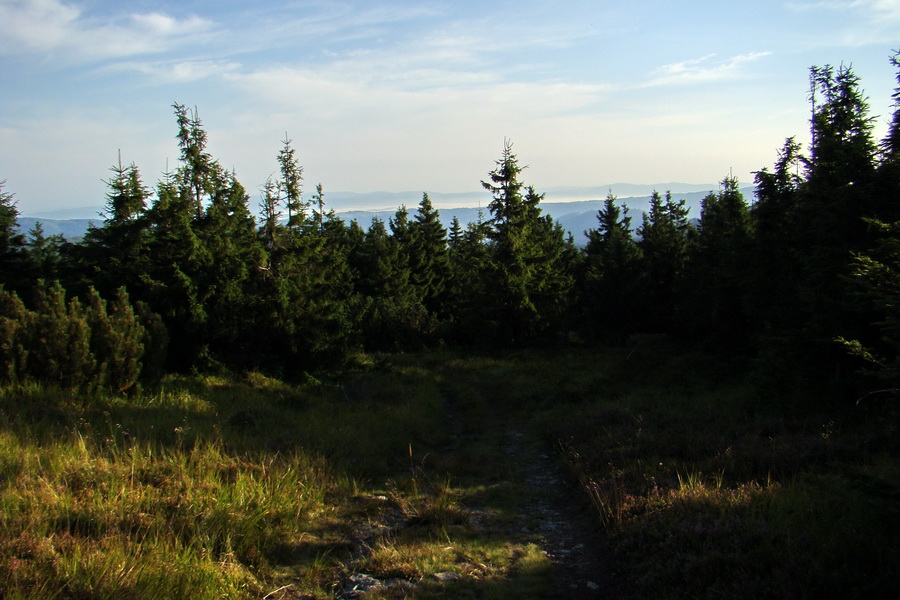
419 96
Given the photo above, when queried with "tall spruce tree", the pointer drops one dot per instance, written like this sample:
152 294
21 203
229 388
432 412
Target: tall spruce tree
530 280
468 282
775 283
427 256
116 254
12 243
718 269
611 275
664 247
199 173
830 221
393 315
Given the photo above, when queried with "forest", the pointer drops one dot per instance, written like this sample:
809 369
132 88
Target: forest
794 294
802 275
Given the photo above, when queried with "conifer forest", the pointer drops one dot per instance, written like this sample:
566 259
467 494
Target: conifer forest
199 280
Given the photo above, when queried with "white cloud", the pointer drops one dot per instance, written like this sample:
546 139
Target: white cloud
702 70
167 72
65 31
875 9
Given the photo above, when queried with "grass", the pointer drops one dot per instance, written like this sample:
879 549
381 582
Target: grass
247 487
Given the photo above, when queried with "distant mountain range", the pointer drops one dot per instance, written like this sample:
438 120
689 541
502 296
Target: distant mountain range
574 208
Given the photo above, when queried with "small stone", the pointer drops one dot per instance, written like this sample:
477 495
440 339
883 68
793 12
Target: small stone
592 586
360 583
445 577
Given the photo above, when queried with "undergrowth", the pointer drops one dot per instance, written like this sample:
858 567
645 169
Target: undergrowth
249 487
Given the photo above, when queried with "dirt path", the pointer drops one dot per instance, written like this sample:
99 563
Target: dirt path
535 507
580 555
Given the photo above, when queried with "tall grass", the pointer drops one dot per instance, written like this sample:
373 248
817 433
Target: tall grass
202 489
247 487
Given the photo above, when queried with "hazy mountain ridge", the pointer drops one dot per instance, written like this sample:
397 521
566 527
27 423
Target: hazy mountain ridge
71 229
576 208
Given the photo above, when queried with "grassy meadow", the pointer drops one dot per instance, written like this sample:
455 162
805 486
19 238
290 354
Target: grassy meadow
394 481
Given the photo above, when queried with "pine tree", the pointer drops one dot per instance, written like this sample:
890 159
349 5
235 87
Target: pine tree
228 272
611 275
44 254
718 268
529 278
59 340
876 285
116 254
116 341
429 265
175 257
888 175
12 243
830 221
468 283
199 174
664 247
15 323
394 315
290 186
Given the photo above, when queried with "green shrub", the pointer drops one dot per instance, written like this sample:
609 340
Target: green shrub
91 346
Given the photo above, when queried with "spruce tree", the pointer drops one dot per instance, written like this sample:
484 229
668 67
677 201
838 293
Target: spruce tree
527 270
611 276
664 246
830 222
718 269
427 255
116 254
44 254
12 243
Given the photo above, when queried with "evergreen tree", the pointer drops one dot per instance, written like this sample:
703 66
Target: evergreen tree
830 221
876 285
611 275
44 254
116 341
664 247
394 316
59 340
15 322
774 284
468 283
718 268
227 272
270 208
888 176
291 186
12 243
529 279
115 254
429 264
199 174
175 256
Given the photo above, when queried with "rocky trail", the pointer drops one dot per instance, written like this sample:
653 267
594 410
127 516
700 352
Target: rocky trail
547 511
565 531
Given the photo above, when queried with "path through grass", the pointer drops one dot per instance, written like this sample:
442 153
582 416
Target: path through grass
448 476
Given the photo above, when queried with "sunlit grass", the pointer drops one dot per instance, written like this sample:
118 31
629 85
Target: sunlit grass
248 487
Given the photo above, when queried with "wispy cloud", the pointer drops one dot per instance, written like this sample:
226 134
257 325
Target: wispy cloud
705 69
52 27
875 9
177 71
865 22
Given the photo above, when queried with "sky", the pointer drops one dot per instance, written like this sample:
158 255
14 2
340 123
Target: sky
400 96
